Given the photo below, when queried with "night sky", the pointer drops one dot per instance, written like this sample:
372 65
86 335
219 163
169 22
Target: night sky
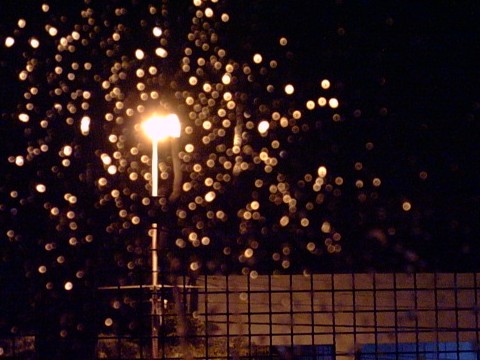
369 163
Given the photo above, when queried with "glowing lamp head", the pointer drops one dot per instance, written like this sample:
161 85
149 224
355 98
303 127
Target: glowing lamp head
159 128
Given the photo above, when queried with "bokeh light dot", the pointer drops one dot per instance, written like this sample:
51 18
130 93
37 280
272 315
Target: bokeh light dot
157 31
333 103
9 41
406 206
322 101
139 54
289 89
68 286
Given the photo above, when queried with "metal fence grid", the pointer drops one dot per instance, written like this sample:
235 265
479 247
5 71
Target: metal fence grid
322 316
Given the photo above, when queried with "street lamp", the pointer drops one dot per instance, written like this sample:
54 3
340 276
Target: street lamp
160 128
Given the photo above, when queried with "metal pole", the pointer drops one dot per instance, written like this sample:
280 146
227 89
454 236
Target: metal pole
155 310
154 168
154 298
154 256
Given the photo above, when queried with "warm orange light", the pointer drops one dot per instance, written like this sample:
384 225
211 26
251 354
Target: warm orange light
159 128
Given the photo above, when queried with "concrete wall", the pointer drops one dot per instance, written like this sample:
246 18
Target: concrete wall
346 310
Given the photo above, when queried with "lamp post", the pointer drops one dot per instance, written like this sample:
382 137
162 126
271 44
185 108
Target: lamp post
159 128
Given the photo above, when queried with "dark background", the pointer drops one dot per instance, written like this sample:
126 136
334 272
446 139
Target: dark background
407 77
